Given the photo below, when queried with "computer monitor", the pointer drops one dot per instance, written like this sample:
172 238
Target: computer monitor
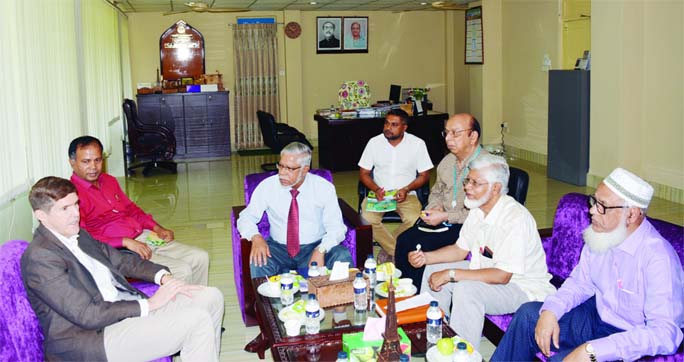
395 94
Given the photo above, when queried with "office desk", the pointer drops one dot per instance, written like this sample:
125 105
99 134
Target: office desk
342 141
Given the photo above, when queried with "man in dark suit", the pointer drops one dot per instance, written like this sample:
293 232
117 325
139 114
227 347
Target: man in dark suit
329 40
89 312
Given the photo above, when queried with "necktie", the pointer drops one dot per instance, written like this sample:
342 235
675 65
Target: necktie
293 225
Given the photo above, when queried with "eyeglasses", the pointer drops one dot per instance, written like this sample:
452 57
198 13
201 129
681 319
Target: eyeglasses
285 168
473 182
448 132
600 207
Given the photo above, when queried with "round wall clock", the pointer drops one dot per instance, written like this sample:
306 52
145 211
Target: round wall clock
293 30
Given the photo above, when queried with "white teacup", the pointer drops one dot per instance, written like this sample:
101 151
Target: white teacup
292 327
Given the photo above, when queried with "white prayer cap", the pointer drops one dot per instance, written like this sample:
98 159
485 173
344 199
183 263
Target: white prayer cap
629 187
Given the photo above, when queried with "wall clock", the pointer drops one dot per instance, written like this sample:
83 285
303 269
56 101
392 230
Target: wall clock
293 30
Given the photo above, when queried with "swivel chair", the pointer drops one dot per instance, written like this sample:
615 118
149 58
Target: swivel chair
155 144
277 136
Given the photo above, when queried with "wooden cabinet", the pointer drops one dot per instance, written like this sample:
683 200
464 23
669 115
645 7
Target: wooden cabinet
200 121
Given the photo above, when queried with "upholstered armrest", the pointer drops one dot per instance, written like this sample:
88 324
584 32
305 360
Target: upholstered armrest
364 233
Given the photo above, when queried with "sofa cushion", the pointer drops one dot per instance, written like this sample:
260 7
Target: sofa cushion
572 217
21 338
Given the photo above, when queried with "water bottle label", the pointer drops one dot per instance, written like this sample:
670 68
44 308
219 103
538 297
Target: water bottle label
359 290
315 314
434 322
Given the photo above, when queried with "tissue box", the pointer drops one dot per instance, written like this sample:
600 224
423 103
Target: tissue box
352 341
332 293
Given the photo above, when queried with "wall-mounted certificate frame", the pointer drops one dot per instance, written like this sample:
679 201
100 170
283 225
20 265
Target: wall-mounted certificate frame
474 39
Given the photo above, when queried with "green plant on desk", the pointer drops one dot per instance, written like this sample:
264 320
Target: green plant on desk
419 94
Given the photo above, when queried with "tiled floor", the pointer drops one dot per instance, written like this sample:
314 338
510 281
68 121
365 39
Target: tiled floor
196 204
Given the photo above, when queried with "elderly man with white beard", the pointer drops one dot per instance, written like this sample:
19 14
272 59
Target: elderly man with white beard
624 298
304 216
507 266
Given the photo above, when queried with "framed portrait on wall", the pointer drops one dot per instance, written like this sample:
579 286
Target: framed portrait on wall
328 34
355 37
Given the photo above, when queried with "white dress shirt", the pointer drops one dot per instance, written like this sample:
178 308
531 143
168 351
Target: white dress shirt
101 274
510 232
395 166
320 217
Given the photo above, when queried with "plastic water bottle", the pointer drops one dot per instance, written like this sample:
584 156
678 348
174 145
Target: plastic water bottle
342 357
313 312
286 289
461 354
360 294
434 323
313 270
370 270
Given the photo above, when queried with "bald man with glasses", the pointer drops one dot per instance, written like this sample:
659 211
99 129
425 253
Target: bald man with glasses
445 204
304 216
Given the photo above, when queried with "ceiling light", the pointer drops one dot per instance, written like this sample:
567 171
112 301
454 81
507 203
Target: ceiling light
312 3
423 3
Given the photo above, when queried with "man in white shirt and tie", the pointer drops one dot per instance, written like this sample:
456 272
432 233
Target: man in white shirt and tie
304 216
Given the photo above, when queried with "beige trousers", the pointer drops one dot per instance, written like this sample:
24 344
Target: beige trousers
409 211
191 325
187 263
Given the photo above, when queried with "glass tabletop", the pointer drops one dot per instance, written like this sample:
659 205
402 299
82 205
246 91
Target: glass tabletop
338 317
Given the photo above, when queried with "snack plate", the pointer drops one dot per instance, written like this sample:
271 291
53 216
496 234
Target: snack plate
397 274
271 289
296 311
434 355
404 288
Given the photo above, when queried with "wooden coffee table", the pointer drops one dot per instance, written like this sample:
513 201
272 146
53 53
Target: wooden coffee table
337 321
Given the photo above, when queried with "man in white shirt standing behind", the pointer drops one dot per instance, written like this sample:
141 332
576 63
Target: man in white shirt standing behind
304 216
394 160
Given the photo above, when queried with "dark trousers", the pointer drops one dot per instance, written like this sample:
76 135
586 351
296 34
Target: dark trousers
407 241
578 326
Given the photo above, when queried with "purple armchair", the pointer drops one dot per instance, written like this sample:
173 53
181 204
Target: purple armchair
358 240
21 338
563 245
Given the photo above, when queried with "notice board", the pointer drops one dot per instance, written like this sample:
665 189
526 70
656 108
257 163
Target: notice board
474 40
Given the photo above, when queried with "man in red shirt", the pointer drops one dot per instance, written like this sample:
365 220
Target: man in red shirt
112 218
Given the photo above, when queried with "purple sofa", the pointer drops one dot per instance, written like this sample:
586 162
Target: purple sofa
21 339
563 245
358 240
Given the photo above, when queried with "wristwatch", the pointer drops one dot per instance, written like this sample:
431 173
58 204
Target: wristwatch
321 249
590 351
452 275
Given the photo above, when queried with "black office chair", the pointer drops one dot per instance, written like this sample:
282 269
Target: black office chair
422 193
277 136
518 182
153 146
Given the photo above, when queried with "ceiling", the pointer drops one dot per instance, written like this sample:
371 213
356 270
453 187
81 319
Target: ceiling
130 6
